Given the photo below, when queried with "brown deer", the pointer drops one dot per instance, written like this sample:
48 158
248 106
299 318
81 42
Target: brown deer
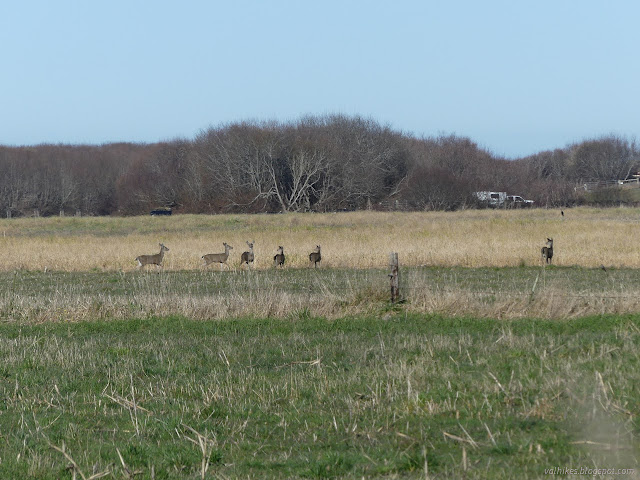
247 257
315 257
278 258
547 251
221 258
152 259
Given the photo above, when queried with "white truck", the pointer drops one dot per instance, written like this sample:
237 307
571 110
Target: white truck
501 199
516 201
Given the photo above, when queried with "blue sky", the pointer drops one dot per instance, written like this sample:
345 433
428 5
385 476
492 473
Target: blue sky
515 77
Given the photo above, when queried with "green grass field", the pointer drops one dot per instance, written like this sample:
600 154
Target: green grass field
491 366
508 292
409 396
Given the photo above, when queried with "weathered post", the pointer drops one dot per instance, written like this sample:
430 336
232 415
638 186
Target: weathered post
394 277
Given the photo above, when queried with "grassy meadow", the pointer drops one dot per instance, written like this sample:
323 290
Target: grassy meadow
503 293
410 396
491 364
473 238
482 263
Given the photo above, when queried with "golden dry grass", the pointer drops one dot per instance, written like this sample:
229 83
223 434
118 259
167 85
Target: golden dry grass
473 238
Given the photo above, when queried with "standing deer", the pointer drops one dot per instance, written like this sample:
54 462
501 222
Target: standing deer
152 259
278 258
547 251
221 258
315 257
247 257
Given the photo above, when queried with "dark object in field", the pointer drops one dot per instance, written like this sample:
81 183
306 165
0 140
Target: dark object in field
315 257
160 211
247 257
278 258
152 259
547 251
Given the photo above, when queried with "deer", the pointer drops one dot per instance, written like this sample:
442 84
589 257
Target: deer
315 257
221 258
278 258
152 259
547 251
247 257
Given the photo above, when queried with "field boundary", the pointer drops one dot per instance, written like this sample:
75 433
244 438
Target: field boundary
502 293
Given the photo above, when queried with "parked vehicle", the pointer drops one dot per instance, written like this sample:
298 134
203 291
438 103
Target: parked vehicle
492 199
516 201
502 200
160 211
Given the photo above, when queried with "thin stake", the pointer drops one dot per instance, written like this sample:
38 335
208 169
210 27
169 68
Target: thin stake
394 277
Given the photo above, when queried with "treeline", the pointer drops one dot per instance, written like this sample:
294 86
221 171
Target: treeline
325 163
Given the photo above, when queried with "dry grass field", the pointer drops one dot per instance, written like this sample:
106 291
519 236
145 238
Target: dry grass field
584 237
480 263
491 363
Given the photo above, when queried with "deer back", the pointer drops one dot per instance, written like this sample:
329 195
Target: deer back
278 258
315 256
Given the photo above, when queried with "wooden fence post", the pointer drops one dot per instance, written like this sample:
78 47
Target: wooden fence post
394 277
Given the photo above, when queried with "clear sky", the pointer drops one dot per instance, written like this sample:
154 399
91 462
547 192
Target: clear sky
516 77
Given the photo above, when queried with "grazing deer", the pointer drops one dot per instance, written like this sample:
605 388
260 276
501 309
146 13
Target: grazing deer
247 257
221 258
152 259
547 251
315 257
278 258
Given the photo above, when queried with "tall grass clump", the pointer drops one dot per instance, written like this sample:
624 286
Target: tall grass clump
506 293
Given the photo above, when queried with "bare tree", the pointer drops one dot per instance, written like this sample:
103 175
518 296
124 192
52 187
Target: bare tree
435 188
606 158
317 163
